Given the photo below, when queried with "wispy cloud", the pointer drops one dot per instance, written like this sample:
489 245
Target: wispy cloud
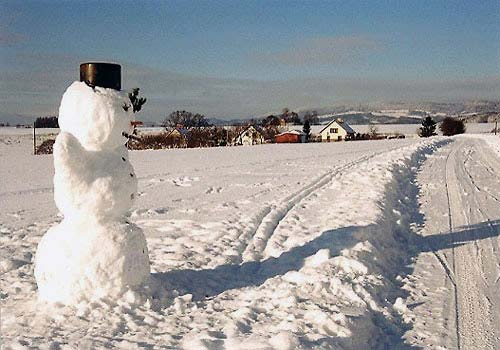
325 50
37 90
8 38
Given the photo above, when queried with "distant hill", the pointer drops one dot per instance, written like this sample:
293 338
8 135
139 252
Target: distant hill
14 120
485 117
224 122
473 111
358 118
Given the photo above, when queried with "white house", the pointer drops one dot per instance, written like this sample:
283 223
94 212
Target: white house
249 136
336 130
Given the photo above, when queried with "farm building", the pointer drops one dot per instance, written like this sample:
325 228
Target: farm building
291 136
336 130
249 136
179 136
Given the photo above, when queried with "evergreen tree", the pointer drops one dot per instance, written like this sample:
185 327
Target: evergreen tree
46 122
428 127
307 129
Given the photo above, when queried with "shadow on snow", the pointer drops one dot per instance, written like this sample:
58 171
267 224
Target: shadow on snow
393 237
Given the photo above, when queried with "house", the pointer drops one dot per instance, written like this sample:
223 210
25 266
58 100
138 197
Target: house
336 130
291 136
249 136
178 136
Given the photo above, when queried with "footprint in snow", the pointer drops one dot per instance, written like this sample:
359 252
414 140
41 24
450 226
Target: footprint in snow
16 214
185 181
148 212
212 190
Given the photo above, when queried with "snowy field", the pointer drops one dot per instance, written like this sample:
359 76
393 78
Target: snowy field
410 130
355 245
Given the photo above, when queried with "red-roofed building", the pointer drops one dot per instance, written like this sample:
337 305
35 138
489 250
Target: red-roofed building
291 136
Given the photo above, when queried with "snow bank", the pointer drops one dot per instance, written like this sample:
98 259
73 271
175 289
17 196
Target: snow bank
493 141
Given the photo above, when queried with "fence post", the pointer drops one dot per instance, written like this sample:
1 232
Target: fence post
34 138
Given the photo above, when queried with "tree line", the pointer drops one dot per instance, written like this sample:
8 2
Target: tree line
46 122
449 127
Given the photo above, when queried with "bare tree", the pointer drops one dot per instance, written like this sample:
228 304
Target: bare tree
185 119
373 131
452 126
311 117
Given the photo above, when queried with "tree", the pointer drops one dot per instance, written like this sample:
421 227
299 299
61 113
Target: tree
452 126
290 117
46 122
295 119
312 117
428 127
137 102
185 119
271 120
373 131
307 129
199 137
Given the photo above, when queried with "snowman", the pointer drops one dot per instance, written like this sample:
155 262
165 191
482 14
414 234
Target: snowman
94 252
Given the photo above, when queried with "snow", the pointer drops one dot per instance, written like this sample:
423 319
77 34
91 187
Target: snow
99 184
94 252
294 246
294 132
95 116
78 261
412 129
453 299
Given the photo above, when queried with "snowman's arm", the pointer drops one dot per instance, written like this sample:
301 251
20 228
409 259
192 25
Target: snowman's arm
69 155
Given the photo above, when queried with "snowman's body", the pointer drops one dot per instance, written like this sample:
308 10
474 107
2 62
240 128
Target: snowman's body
94 252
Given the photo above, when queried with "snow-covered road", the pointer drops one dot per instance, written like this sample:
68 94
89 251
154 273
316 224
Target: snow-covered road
359 245
461 203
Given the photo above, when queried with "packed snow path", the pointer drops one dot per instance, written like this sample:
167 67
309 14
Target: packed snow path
461 202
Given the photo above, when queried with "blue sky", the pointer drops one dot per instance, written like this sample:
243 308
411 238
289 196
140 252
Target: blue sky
242 58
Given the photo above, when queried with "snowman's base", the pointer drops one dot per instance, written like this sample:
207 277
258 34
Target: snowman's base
84 261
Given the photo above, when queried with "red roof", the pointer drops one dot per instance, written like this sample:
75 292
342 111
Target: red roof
288 138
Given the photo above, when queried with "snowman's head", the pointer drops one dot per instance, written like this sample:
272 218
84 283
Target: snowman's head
96 117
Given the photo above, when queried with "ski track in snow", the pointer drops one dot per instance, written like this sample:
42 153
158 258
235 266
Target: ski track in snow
274 214
471 265
253 249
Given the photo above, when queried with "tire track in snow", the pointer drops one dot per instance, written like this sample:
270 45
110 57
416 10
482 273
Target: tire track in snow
27 192
473 182
494 254
472 307
269 218
450 228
